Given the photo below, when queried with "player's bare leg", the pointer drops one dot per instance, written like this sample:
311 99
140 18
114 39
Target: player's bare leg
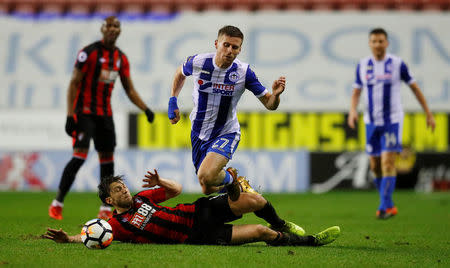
250 202
211 175
252 233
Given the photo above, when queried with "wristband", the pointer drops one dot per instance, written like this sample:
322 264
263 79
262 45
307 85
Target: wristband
172 107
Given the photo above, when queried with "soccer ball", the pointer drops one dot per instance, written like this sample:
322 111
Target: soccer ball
96 233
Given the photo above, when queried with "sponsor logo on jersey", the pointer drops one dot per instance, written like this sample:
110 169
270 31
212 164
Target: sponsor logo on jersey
384 78
102 60
226 90
107 76
142 216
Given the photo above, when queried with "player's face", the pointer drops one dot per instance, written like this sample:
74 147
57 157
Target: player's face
378 43
110 30
227 50
119 195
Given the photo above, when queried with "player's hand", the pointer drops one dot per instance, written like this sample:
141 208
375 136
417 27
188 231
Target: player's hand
150 115
173 111
278 86
352 119
431 123
71 125
151 179
59 236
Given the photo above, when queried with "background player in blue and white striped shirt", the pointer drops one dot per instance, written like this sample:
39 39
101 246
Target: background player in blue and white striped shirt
380 76
219 82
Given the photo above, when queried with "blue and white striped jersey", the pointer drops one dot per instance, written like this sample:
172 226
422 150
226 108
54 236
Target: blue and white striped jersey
216 94
381 81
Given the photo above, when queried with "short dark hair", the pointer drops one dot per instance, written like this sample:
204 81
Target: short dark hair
231 31
103 187
378 31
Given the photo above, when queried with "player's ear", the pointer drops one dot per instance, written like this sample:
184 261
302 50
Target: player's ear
108 200
215 43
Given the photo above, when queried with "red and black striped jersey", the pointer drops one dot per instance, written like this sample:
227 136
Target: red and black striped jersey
100 66
148 222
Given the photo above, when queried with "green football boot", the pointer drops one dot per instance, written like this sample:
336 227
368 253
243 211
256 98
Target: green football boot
290 227
327 236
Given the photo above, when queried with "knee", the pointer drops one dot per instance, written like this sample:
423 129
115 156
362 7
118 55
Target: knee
205 177
388 166
258 202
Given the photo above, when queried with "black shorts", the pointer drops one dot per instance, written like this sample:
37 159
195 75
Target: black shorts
100 128
211 215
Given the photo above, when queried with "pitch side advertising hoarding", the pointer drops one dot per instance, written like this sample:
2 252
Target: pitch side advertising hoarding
41 170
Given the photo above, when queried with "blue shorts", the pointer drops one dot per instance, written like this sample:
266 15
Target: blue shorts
380 139
225 145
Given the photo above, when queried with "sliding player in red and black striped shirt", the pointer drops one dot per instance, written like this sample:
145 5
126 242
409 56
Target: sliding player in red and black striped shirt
140 219
89 114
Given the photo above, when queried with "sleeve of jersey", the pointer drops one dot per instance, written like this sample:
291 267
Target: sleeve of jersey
156 195
82 60
357 84
188 66
405 75
252 83
124 66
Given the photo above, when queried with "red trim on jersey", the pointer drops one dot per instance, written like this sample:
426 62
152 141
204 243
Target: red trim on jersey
124 66
177 218
80 155
89 76
106 160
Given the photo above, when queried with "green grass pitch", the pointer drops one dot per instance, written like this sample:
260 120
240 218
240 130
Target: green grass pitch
417 237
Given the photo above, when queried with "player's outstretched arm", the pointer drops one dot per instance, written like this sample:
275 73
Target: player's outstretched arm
421 99
177 84
353 114
172 188
272 100
59 236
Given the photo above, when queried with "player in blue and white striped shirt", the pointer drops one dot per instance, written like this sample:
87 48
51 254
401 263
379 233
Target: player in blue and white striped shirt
219 82
380 76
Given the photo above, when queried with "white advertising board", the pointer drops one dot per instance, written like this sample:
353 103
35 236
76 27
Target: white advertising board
37 129
317 52
41 170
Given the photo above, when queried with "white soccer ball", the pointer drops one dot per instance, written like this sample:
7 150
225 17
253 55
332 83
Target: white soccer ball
96 233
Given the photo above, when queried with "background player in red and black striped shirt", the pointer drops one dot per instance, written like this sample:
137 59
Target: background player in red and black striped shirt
140 219
89 113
